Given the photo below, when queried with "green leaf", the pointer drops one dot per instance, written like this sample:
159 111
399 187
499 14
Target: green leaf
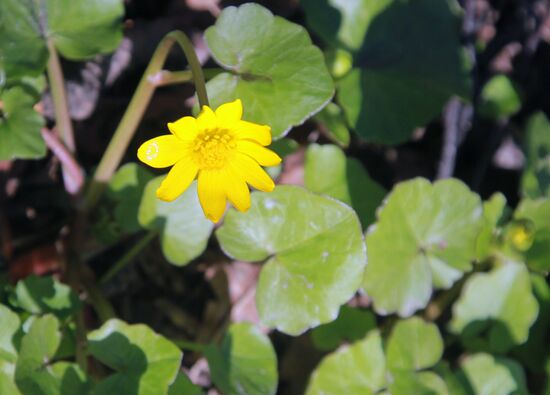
488 375
493 209
145 363
79 29
272 66
358 369
10 325
183 227
535 181
125 189
499 302
245 363
7 385
424 383
426 234
72 379
20 125
39 295
407 61
351 325
328 171
414 344
183 386
538 213
315 255
334 122
499 98
33 372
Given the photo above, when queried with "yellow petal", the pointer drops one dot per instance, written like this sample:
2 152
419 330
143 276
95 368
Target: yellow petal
211 194
252 131
236 190
207 119
252 172
178 180
230 112
184 128
162 151
263 156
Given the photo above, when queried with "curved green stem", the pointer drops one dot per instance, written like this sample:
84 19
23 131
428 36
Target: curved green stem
134 113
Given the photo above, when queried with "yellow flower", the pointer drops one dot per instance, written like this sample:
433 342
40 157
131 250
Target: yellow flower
221 150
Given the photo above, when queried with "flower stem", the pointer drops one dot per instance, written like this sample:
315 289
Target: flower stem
128 257
134 113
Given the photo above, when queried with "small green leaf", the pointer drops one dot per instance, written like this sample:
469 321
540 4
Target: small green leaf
39 295
414 344
535 181
272 66
33 372
72 379
500 302
7 385
79 29
145 363
493 209
358 369
407 61
183 386
20 126
426 234
538 213
125 189
315 255
184 228
334 122
423 383
328 171
351 325
10 325
488 375
499 98
245 363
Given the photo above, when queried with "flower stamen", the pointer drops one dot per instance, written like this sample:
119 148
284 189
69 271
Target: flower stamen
213 147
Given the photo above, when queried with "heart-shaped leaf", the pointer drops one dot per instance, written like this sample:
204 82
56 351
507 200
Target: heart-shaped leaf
39 295
407 61
358 369
501 303
79 29
328 171
145 363
245 363
414 345
273 67
315 255
184 228
425 237
20 126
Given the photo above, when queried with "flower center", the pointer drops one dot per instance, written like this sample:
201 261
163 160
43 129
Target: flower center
212 148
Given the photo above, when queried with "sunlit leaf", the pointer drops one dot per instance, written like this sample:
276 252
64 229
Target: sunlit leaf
272 66
493 210
499 98
314 250
535 181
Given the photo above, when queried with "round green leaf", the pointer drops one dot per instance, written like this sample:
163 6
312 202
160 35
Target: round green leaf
488 375
414 344
39 295
426 234
538 212
245 363
79 29
20 126
315 251
328 171
33 372
10 325
407 61
351 324
273 67
125 189
499 98
500 302
358 369
535 181
145 363
183 227
423 383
